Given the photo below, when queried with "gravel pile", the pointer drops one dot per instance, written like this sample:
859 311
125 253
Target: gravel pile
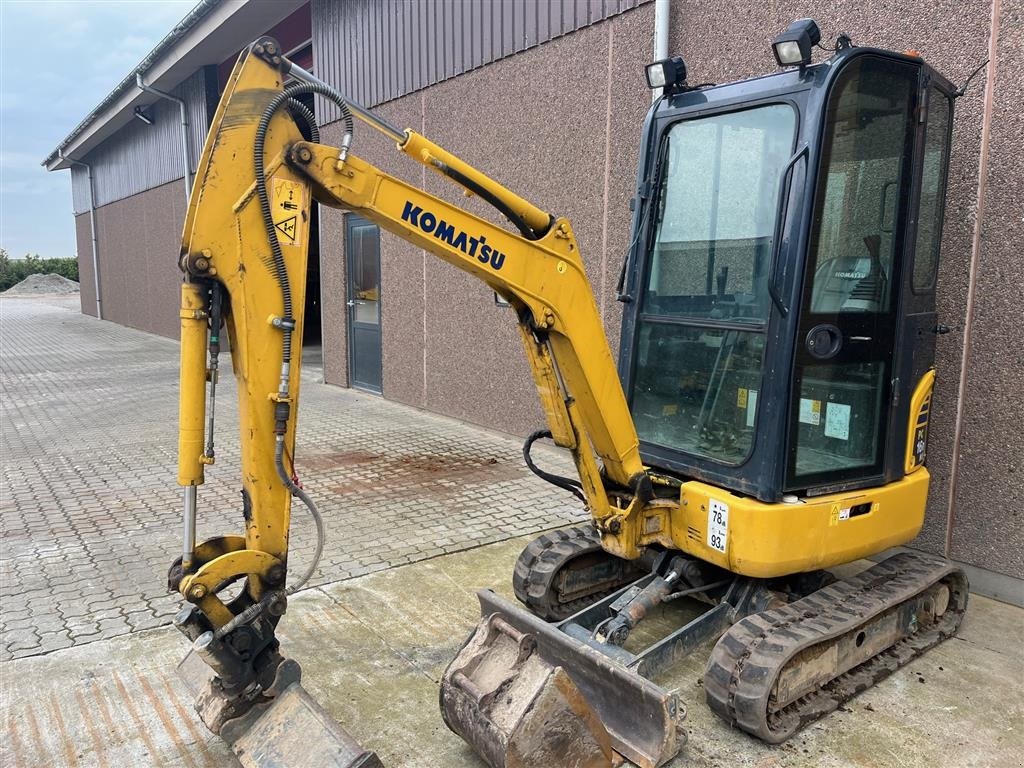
37 284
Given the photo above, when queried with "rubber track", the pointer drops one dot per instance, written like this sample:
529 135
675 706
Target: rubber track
540 563
751 655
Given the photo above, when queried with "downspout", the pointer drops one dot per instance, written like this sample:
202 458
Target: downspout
92 229
661 11
184 127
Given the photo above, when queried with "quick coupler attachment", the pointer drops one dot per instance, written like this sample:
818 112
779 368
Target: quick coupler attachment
260 709
525 694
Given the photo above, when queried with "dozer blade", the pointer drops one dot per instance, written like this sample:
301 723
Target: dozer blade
524 694
290 731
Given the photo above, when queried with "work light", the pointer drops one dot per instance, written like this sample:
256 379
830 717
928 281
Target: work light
666 73
793 47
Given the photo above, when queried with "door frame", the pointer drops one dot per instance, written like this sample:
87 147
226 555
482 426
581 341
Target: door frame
352 221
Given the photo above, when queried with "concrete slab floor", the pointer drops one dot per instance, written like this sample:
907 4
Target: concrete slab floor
374 647
89 507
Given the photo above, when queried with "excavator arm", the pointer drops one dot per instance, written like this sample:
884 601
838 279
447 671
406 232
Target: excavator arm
543 280
244 257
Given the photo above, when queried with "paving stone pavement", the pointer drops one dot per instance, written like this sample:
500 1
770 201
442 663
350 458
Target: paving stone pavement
90 511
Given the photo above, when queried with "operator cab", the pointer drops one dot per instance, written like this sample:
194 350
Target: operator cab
780 289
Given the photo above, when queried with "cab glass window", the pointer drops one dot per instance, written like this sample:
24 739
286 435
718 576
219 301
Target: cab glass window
855 234
701 331
929 226
716 214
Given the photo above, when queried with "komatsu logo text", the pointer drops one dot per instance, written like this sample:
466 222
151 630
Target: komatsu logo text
442 230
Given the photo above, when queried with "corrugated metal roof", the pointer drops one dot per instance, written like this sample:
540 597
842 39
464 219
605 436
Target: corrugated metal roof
377 50
139 156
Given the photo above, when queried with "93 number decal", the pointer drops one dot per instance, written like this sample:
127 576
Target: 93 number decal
718 525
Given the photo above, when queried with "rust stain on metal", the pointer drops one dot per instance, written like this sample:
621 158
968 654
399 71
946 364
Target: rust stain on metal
139 724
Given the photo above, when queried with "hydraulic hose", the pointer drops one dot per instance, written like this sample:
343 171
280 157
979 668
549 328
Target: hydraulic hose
259 144
308 118
318 519
565 483
282 408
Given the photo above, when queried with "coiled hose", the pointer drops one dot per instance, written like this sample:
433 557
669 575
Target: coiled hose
565 483
300 109
282 407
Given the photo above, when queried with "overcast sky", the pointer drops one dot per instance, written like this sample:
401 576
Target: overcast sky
57 61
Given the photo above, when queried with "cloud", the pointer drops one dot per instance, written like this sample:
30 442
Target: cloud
58 60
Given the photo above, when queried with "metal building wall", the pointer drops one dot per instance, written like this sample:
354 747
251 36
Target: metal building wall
377 50
139 156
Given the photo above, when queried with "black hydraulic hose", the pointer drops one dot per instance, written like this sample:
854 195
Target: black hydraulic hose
282 408
459 178
307 117
259 143
565 483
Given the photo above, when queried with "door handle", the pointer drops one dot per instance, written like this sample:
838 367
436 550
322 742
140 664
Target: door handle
781 214
824 341
350 303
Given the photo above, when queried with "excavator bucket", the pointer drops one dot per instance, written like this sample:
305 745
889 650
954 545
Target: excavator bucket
289 731
526 694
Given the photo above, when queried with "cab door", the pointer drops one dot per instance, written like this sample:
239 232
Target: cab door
845 385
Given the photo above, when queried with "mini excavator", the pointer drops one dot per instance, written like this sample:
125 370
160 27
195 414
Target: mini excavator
767 419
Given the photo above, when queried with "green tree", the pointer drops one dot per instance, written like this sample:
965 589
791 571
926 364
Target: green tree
13 271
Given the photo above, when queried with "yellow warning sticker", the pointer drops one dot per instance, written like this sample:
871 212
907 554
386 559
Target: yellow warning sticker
669 410
810 411
288 210
741 398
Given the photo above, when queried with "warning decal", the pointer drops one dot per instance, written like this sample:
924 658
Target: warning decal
288 209
287 228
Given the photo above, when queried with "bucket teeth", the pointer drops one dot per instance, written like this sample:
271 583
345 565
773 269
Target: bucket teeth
517 710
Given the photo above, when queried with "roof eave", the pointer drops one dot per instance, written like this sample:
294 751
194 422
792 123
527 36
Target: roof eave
193 43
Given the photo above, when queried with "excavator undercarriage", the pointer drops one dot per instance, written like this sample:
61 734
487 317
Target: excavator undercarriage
788 651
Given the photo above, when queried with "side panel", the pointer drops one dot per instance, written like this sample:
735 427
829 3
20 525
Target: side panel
761 540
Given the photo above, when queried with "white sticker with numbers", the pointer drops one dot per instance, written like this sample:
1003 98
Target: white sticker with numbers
718 525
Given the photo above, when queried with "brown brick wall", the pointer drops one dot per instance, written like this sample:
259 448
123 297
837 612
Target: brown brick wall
560 123
139 238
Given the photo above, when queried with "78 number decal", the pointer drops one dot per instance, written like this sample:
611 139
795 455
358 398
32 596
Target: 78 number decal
718 525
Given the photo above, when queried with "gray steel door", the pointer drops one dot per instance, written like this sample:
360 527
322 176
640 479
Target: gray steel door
362 246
